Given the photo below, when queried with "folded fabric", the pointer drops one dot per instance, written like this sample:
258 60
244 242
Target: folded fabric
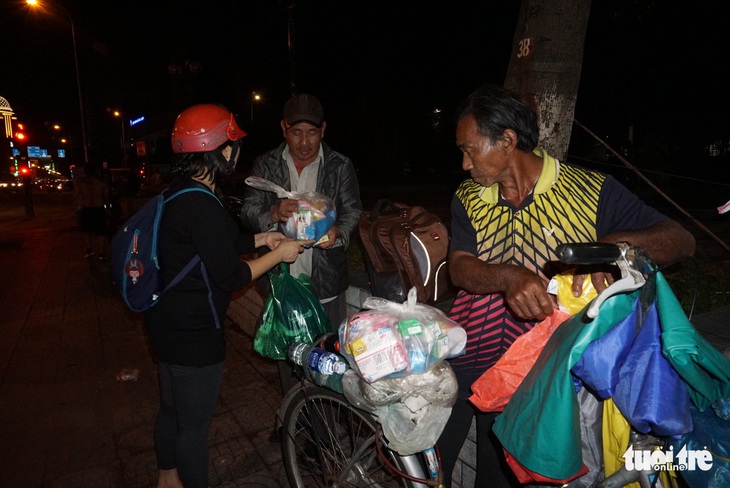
540 426
628 366
705 371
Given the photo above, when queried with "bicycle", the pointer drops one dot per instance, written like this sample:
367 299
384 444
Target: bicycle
327 441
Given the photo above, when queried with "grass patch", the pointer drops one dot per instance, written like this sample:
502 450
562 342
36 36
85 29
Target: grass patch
700 284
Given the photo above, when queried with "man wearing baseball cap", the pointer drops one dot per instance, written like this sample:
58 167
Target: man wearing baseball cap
304 163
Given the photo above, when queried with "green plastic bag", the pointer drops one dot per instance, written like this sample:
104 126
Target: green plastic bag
291 314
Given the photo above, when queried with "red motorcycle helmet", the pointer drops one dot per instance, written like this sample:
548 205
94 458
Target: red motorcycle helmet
204 127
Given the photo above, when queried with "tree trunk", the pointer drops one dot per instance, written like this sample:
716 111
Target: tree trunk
547 56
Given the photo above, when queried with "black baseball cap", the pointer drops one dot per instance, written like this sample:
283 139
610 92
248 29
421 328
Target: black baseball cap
303 108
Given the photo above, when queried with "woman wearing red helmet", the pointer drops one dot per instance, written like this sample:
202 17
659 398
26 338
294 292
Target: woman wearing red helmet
184 327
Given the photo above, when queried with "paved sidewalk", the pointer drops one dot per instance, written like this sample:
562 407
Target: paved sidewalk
65 335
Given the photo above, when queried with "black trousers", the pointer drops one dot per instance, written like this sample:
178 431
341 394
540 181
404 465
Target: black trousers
188 397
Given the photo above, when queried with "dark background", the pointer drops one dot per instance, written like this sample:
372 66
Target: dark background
381 69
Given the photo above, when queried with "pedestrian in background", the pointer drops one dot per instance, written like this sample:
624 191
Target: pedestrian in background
185 327
92 205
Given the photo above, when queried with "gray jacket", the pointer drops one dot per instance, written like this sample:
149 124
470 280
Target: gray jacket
336 179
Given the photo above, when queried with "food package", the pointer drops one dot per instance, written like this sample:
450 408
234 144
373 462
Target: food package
316 215
561 285
389 340
314 218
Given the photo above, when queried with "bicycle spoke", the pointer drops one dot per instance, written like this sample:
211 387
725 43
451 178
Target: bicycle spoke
329 440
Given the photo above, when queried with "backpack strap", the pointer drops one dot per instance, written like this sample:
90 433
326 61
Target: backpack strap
188 267
383 207
196 259
210 295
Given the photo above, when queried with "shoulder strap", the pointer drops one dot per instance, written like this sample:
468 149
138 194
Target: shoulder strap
188 187
196 259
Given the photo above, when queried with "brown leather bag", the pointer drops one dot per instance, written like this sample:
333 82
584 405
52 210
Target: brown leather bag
407 246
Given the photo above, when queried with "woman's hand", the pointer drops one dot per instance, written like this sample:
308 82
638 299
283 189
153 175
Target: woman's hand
269 239
289 249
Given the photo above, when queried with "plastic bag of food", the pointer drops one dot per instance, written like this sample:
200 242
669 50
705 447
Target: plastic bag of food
388 339
291 314
315 216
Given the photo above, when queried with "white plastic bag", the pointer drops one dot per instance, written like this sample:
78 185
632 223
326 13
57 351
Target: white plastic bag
413 409
390 340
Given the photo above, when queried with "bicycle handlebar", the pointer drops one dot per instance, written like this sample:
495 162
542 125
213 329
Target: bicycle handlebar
635 264
589 253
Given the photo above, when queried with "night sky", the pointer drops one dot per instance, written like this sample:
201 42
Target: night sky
380 69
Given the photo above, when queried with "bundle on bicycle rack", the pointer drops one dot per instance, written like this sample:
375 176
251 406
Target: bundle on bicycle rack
388 339
396 352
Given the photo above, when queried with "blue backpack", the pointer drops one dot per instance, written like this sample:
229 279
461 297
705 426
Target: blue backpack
135 266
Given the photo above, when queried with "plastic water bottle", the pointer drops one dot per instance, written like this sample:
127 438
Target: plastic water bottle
325 362
432 462
322 367
299 352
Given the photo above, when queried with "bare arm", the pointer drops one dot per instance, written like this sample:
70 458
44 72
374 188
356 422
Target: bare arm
524 291
667 242
287 250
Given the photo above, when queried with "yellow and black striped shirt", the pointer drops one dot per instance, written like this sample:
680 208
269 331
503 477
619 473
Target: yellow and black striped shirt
568 204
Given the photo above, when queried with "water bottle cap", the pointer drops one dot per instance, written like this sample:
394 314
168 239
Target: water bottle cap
339 367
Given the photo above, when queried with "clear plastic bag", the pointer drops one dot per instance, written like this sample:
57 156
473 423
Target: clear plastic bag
413 409
314 218
389 340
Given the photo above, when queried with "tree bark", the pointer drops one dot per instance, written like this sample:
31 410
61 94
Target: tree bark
547 56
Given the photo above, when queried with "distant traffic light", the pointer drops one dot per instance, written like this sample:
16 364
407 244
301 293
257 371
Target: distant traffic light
20 132
24 171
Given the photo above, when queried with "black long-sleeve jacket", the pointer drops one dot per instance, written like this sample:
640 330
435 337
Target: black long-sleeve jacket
181 327
336 179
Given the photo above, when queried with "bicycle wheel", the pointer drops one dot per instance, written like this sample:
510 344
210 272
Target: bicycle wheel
325 440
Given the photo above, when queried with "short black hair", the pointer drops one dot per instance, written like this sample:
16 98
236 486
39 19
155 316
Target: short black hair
202 164
496 109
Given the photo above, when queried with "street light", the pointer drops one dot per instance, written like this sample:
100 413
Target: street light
36 4
255 97
119 114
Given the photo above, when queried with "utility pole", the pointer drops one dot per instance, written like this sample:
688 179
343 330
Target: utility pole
290 6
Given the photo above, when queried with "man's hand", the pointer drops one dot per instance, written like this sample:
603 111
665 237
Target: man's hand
601 280
527 296
332 235
284 209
